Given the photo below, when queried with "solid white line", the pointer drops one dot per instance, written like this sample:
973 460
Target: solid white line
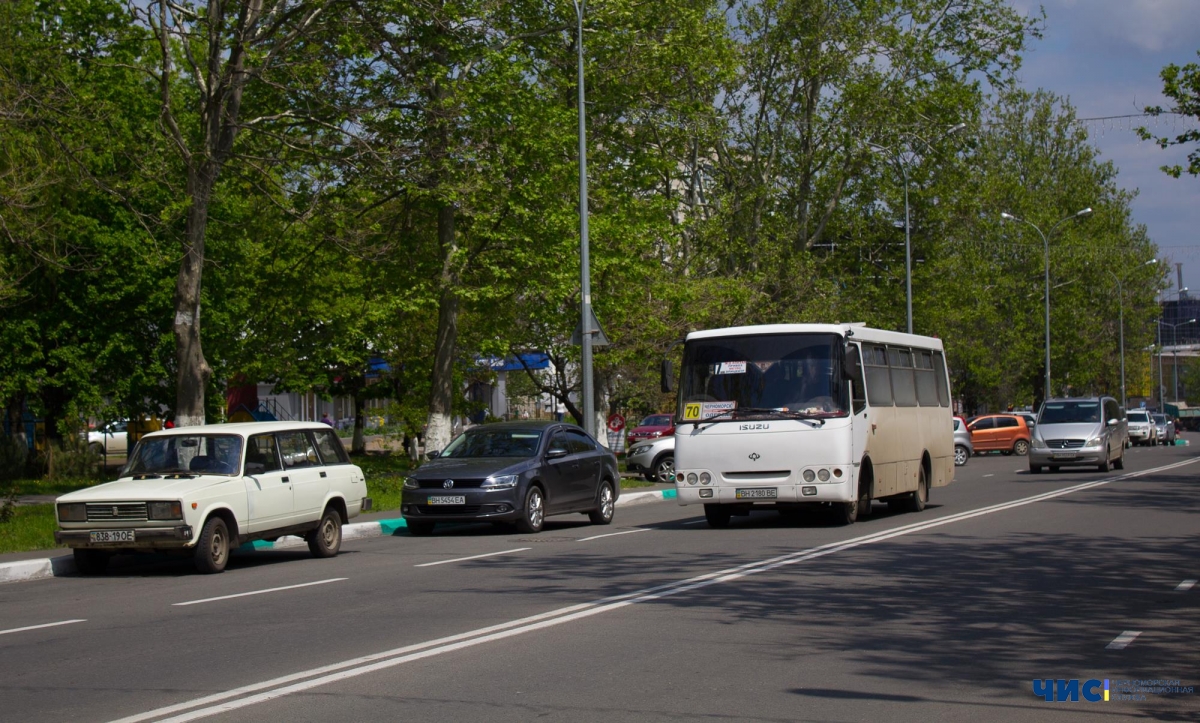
260 592
1122 640
614 534
38 627
1185 585
398 656
472 557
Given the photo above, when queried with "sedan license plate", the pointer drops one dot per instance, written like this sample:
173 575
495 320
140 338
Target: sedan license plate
112 536
757 493
447 500
1064 455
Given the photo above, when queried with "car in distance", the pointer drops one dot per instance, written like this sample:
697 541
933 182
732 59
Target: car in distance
1005 433
1164 428
652 427
513 472
205 490
963 448
654 459
110 439
1142 429
1079 431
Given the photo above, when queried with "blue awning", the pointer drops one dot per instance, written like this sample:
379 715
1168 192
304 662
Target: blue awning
532 360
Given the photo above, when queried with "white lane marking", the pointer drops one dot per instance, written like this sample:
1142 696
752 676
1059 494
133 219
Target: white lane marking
614 534
259 592
1019 470
388 658
696 522
1185 585
989 475
38 627
1122 640
472 557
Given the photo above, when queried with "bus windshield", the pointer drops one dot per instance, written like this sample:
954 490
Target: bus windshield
740 376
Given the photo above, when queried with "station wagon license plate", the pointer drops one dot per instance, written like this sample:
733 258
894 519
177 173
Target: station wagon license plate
112 536
757 493
446 500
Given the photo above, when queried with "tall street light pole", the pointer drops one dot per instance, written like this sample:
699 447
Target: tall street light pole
907 232
1046 246
585 282
1174 362
1121 323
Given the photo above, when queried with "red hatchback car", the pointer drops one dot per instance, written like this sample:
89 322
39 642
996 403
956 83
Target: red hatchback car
652 427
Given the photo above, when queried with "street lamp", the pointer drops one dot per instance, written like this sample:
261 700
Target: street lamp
585 282
1174 361
907 234
1121 322
1046 246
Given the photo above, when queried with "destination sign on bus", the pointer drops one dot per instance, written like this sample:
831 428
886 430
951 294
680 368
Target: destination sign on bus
693 411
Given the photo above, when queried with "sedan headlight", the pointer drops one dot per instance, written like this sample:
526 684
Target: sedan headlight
1093 442
501 482
1037 443
72 512
164 511
411 483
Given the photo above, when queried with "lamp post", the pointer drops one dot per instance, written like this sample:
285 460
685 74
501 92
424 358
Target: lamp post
907 233
585 282
1174 362
1121 323
1046 246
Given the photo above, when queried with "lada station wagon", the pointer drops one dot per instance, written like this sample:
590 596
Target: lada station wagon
205 490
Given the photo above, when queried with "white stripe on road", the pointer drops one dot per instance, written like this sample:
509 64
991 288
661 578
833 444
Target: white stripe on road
38 627
472 557
1122 640
1185 585
260 592
614 534
696 522
306 680
989 475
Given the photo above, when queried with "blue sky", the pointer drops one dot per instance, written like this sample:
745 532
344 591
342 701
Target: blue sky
1105 56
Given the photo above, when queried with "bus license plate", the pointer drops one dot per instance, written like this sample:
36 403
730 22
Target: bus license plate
444 500
112 536
756 493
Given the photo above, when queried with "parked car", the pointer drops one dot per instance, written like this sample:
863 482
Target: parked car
1164 428
652 427
1080 431
513 472
1029 417
1142 429
653 458
205 490
1006 433
110 439
963 448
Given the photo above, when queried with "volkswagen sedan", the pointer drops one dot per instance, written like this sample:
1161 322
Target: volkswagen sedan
513 472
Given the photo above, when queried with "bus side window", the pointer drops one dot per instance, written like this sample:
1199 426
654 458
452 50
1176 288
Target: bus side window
943 386
927 395
879 382
858 389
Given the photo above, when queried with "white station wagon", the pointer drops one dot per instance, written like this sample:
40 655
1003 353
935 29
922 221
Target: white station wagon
206 490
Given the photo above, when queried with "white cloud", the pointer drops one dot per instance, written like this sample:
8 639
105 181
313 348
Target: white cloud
1141 26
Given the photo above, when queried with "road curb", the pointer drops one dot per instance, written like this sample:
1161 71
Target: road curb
46 567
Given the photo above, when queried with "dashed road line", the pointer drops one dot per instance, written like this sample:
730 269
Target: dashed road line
259 592
1123 639
1185 585
39 627
473 557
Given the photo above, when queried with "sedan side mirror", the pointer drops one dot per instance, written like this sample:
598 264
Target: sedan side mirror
556 452
1112 422
434 454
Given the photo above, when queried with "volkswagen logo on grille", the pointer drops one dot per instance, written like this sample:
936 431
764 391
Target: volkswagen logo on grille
754 456
448 483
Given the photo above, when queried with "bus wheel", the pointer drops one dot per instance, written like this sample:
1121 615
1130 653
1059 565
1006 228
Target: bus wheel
846 513
916 503
717 516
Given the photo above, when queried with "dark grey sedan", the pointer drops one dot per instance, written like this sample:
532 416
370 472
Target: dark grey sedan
513 472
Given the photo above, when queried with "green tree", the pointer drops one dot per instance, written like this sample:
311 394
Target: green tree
1182 85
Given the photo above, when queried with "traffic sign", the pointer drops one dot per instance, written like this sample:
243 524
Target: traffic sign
616 422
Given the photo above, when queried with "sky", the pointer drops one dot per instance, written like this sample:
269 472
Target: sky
1105 56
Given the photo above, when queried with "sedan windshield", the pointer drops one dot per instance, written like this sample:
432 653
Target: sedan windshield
219 454
1138 417
739 376
495 443
657 420
1070 413
1160 419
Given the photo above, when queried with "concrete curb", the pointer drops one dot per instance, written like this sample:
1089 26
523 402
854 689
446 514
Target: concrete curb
42 568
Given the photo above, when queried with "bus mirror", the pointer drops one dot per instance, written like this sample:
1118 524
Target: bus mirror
666 376
852 363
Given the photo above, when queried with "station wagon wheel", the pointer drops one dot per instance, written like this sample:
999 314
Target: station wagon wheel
961 455
603 514
533 513
1021 447
326 540
212 549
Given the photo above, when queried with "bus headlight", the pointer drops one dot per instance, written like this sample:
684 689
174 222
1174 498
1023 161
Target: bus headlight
691 478
808 475
705 478
823 475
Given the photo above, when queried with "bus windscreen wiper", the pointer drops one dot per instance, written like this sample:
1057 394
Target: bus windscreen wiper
744 410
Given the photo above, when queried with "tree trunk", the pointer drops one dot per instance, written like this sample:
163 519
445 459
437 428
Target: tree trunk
359 444
193 371
438 429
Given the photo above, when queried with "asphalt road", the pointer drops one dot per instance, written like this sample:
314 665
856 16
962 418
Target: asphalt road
947 614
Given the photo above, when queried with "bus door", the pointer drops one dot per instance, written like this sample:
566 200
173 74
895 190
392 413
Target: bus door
860 422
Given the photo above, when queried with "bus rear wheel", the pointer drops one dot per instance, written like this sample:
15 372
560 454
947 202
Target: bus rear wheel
916 503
